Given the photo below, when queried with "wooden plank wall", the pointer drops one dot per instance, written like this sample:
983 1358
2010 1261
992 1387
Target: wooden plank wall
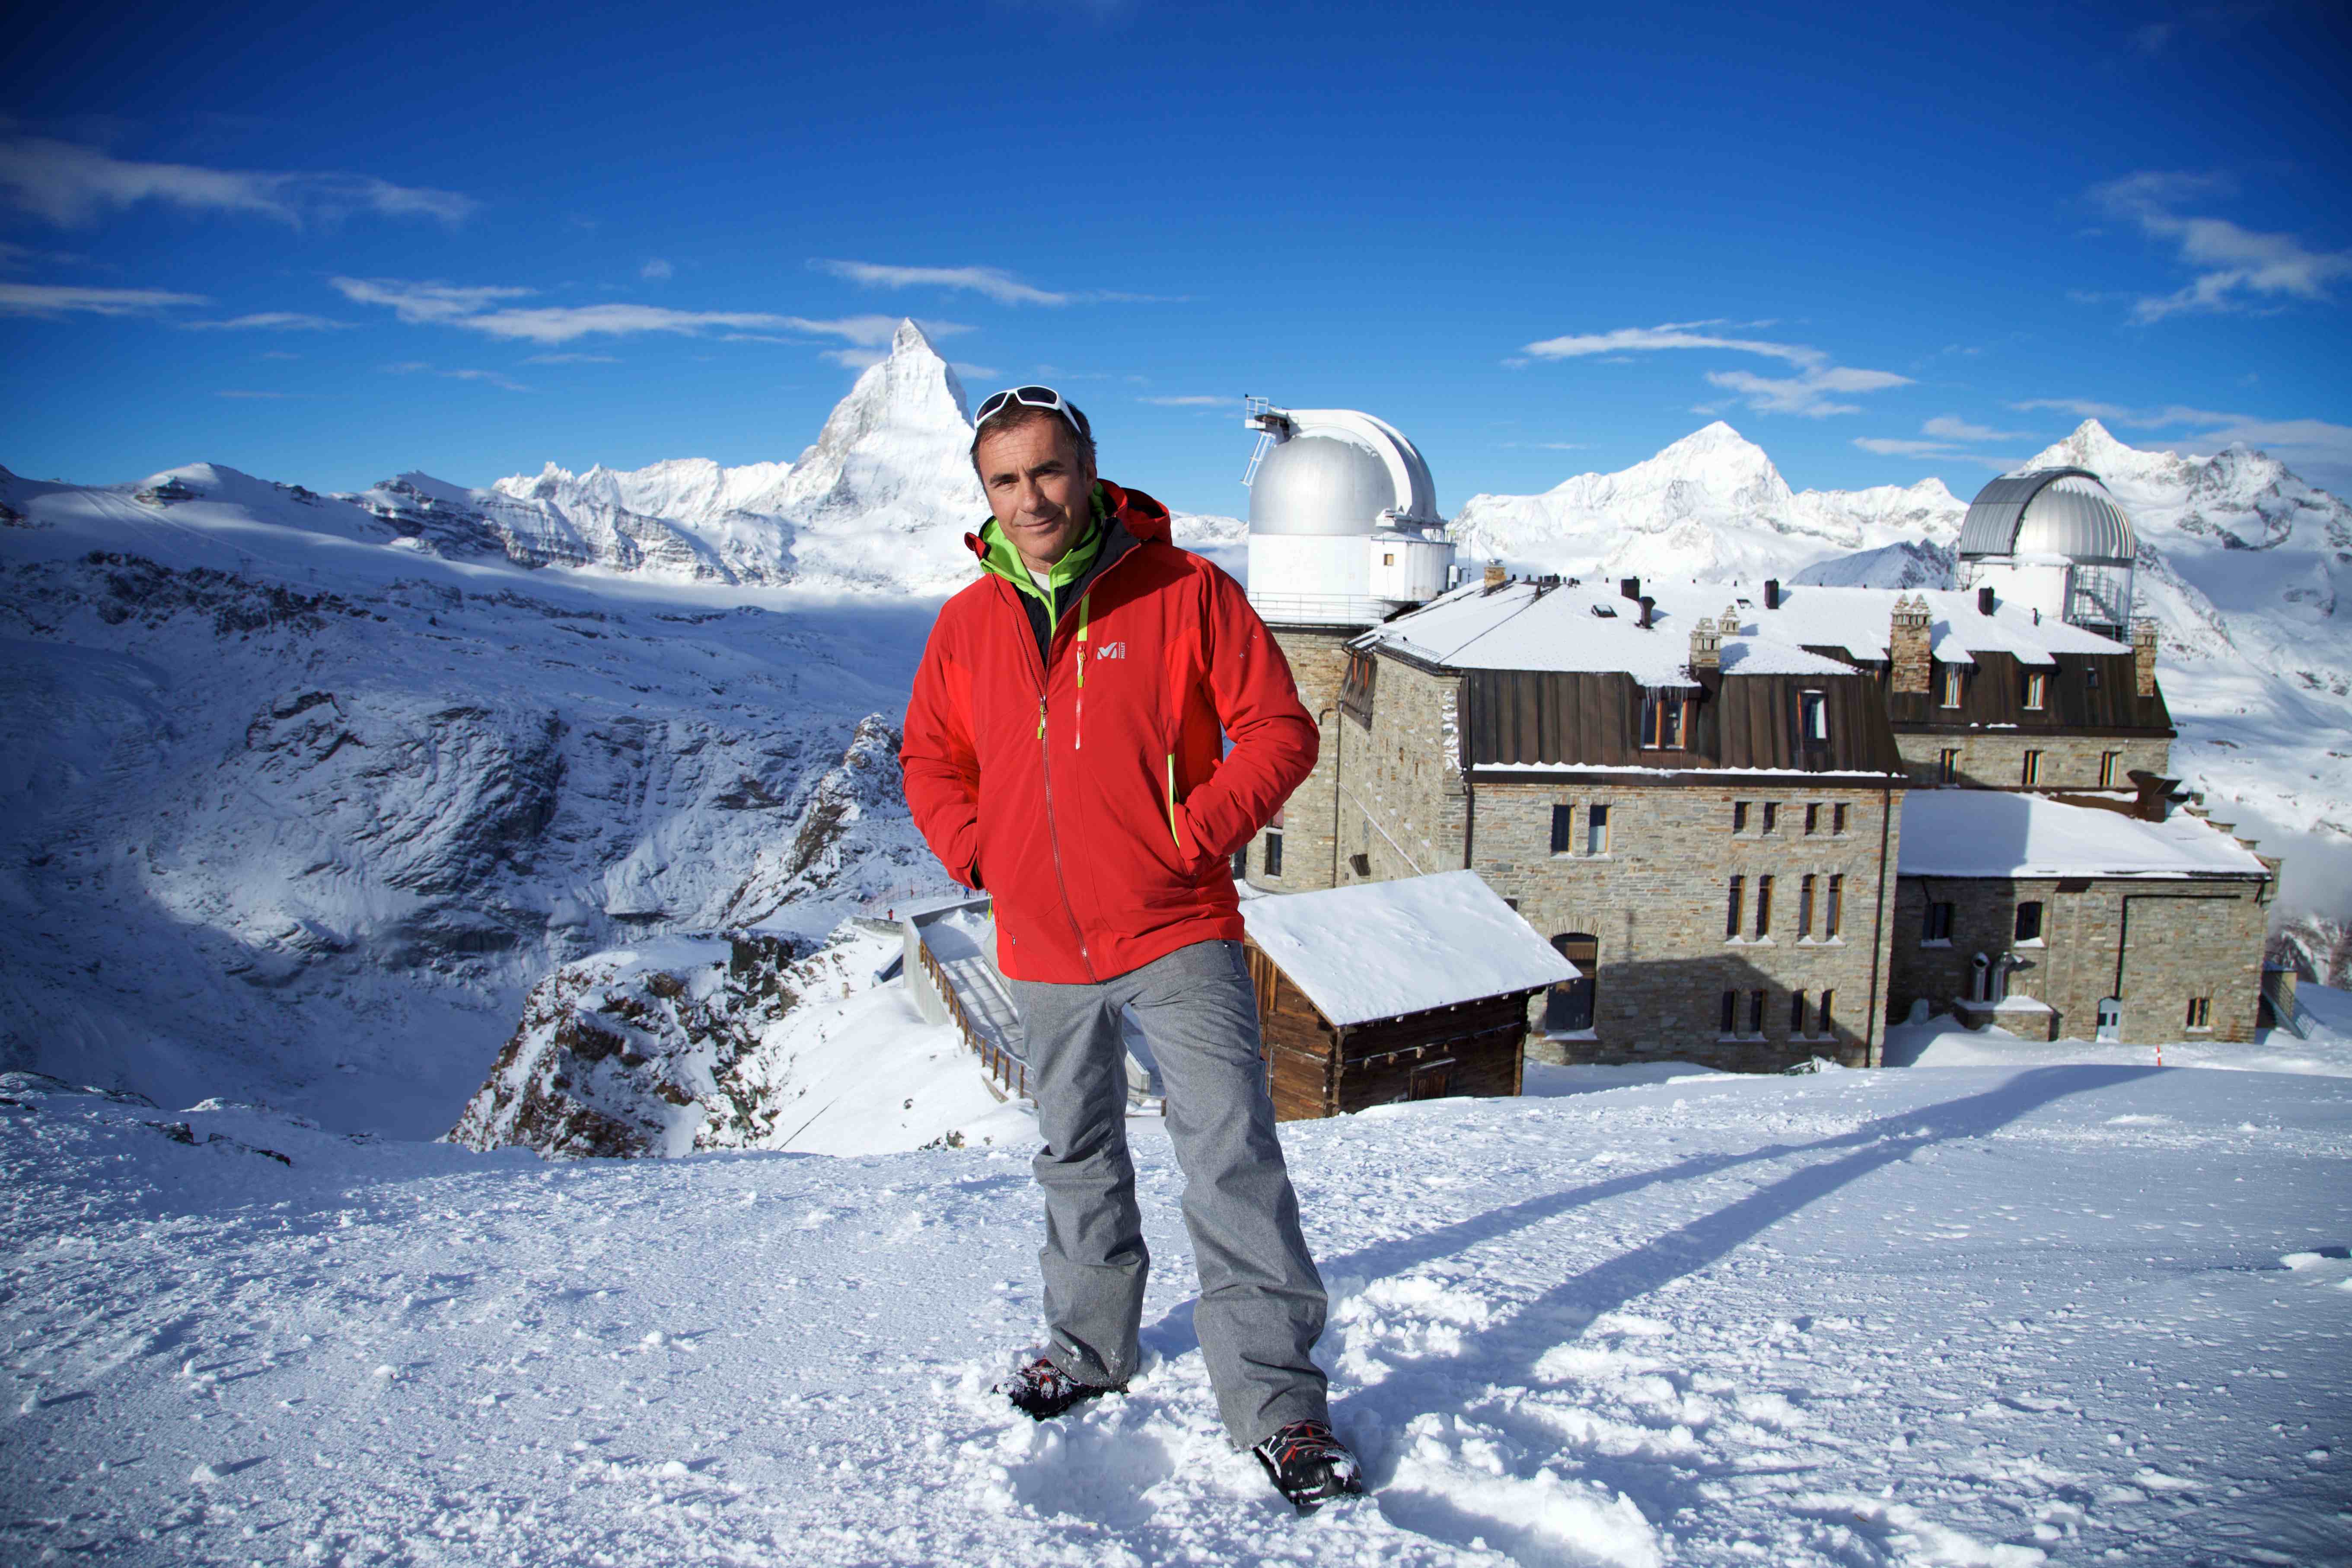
1738 722
1994 693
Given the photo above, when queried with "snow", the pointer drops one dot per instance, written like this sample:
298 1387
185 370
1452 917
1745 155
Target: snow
2012 1313
1530 625
1992 832
1377 950
1942 1042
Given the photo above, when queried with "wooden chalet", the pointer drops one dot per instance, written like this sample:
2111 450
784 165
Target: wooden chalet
1381 992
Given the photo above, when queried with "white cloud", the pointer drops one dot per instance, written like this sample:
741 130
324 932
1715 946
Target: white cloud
271 397
572 359
1671 335
276 354
270 322
72 185
656 268
1807 393
419 367
1192 402
2138 418
994 282
977 371
417 304
1951 428
2235 268
52 301
855 359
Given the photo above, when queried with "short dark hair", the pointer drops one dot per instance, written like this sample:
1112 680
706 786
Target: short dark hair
1015 416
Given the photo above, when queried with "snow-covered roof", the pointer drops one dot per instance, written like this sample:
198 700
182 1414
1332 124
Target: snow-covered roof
1377 950
1991 833
1525 625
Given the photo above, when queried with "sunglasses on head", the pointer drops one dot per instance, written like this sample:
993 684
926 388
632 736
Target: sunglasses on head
1031 397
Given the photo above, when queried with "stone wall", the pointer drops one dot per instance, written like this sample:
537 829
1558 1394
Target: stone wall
1319 663
1403 808
1996 759
1656 901
2179 940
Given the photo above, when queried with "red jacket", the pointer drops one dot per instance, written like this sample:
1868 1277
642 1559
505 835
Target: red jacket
1089 793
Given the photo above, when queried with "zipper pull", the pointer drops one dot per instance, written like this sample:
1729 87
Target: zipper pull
1041 718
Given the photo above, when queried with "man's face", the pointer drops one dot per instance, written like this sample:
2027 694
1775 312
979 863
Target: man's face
1038 487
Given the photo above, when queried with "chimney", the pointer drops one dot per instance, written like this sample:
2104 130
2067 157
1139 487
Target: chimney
1631 587
2143 656
1771 593
1984 601
1648 605
2155 794
1910 663
1707 645
1495 575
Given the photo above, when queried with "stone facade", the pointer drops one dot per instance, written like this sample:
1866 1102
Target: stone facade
2178 941
1996 759
1319 663
1654 899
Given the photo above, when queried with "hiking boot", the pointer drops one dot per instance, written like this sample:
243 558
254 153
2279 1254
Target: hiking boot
1308 1464
1041 1390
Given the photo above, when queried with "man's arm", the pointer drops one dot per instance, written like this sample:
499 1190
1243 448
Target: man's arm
1274 742
941 770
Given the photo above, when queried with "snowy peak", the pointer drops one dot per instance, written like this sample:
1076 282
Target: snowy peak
2092 447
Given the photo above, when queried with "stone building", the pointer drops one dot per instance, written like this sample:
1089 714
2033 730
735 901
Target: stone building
1697 793
2083 921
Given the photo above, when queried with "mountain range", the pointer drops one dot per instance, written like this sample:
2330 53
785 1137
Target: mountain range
300 793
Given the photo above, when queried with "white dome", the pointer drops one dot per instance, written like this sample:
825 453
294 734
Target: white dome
1338 472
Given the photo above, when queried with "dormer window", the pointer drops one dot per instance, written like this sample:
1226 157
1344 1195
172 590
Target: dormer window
1953 675
1663 719
1813 717
2037 691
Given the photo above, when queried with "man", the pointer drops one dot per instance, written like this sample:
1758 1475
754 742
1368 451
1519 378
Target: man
1062 752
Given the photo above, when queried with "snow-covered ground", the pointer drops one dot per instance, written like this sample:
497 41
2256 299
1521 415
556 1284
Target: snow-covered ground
1995 1314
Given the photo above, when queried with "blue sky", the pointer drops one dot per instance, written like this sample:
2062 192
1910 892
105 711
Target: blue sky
1540 240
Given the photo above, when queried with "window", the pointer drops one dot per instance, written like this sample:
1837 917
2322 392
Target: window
1756 1012
1837 819
2200 1012
2037 690
2029 920
1730 1024
1360 864
1947 767
2091 675
1813 718
1387 558
1563 829
1731 914
1796 1013
1938 924
1568 1008
1833 918
2111 769
1953 675
1813 819
2032 772
1274 851
1739 817
1805 907
1596 830
1822 1019
1434 1081
1763 906
1771 815
1662 718
1241 861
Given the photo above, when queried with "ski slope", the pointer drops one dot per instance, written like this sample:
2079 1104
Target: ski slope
1989 1315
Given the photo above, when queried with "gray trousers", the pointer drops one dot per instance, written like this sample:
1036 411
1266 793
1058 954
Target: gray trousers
1262 1302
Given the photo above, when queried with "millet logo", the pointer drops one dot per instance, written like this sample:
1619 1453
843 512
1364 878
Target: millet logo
1113 650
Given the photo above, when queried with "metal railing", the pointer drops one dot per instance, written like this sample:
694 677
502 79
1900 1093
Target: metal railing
1000 1064
2287 1011
1325 609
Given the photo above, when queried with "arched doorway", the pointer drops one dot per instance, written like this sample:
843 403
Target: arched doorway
1567 1010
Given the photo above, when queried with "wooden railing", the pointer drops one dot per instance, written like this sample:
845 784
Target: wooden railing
999 1063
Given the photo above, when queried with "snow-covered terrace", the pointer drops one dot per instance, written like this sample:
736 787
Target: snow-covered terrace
1991 833
1524 626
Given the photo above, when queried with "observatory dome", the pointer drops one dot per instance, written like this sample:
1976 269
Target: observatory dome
2049 512
1338 473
